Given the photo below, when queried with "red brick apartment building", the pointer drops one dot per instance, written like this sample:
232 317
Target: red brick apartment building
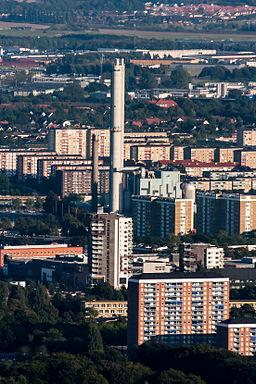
176 308
237 335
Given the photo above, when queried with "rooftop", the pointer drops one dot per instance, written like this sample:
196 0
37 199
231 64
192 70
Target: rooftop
177 275
240 320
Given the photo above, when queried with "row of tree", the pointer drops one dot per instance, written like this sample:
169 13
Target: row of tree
222 73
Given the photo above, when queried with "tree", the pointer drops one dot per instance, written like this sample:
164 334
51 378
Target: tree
29 203
94 338
51 203
41 304
179 78
245 310
148 80
17 204
4 184
5 223
38 203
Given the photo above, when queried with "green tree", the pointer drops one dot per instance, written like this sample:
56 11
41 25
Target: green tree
4 184
245 310
17 204
179 78
148 80
94 338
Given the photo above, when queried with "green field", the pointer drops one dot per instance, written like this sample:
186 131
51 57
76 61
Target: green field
180 35
60 30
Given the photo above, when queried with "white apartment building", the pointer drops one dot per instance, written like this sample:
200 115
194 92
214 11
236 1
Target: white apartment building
110 247
214 257
193 254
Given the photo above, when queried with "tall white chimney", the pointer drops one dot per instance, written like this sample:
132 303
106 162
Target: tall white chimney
117 136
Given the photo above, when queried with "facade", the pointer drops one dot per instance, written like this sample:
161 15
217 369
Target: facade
68 141
246 158
225 155
27 165
78 180
176 308
9 159
162 184
237 335
107 308
110 247
37 251
177 152
152 152
103 138
143 138
246 137
161 216
44 166
204 155
229 212
209 256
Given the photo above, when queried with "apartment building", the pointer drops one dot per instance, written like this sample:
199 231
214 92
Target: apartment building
176 308
67 140
107 308
152 153
246 137
143 138
237 335
129 143
225 155
110 247
246 158
156 216
199 169
103 138
9 158
177 152
37 251
194 254
229 212
44 166
27 165
203 155
225 175
78 180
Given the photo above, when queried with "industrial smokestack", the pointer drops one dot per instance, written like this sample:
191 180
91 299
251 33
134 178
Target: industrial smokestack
117 135
95 173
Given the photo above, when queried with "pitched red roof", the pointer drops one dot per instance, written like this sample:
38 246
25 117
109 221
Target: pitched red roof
162 103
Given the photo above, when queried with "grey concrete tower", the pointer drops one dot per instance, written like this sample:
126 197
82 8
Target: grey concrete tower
117 136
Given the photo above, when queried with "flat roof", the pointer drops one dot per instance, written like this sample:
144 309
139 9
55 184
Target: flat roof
239 320
177 276
35 246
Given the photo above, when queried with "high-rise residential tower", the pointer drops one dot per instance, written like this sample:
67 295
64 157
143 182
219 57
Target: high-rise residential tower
117 135
176 308
110 248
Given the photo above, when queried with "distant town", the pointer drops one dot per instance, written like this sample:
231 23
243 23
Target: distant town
127 193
